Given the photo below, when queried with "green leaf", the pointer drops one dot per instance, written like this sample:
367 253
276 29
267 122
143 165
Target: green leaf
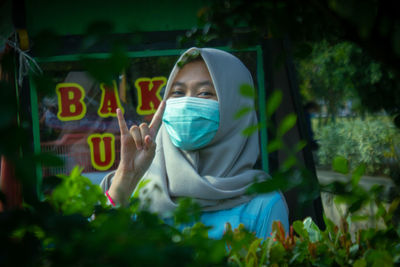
251 256
354 249
357 174
298 226
254 246
216 251
250 130
273 102
241 112
300 145
381 210
342 199
274 145
188 211
277 252
49 159
356 204
141 184
268 186
106 70
340 164
330 226
250 261
313 231
235 259
358 218
287 123
379 258
76 172
360 263
99 70
289 162
247 90
76 194
393 206
180 64
265 248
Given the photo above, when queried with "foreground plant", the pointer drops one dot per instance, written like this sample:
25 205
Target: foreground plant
70 229
337 245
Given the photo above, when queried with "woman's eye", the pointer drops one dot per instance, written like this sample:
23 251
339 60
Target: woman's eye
177 93
206 94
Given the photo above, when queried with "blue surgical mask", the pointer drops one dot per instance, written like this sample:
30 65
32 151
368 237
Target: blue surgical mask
191 122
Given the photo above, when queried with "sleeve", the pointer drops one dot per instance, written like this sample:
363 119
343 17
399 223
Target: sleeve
105 186
106 182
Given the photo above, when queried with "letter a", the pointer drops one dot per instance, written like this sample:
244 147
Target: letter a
70 101
102 150
149 94
109 101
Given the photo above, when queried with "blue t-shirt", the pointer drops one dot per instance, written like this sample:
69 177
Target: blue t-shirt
257 216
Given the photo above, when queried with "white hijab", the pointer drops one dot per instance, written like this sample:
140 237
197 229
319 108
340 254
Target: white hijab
216 176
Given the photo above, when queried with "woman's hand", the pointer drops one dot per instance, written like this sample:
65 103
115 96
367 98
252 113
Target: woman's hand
137 152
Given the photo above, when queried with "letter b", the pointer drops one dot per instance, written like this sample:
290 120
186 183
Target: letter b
70 101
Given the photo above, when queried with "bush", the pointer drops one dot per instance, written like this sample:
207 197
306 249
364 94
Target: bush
74 227
373 142
307 245
60 232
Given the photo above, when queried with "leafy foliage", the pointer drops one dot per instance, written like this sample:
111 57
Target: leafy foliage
52 237
76 194
75 227
307 245
72 226
335 73
373 142
327 74
353 44
291 173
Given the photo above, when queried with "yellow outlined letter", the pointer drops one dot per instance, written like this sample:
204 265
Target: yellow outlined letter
102 150
70 101
148 91
109 101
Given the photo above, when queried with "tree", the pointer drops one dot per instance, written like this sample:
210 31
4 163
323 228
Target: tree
372 25
327 75
338 72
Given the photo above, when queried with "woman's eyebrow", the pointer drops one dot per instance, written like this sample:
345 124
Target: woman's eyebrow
178 84
204 83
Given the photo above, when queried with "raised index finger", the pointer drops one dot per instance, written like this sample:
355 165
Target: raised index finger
121 122
157 118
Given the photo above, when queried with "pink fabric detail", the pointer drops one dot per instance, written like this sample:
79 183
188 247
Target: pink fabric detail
110 199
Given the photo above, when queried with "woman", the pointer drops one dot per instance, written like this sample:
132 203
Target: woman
200 151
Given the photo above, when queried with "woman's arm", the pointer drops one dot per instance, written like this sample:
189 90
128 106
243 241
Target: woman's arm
137 153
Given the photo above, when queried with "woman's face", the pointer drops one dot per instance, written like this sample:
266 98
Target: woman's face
193 80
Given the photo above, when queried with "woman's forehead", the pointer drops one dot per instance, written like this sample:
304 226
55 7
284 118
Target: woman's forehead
193 71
